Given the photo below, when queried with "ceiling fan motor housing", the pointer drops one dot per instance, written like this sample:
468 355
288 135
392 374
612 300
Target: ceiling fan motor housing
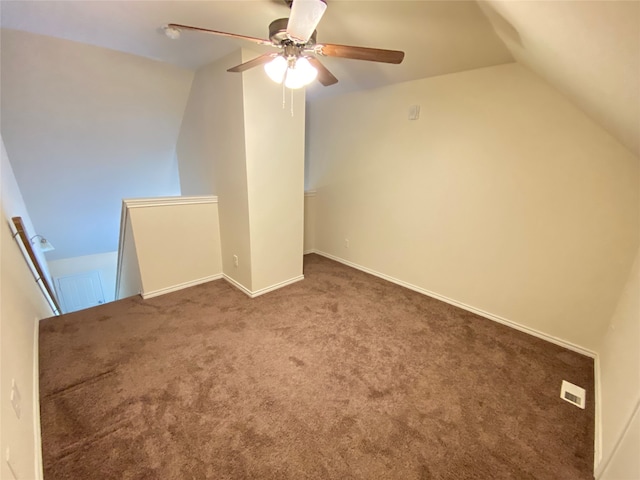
278 33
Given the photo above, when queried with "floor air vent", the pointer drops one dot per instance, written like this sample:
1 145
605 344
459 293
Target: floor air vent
573 394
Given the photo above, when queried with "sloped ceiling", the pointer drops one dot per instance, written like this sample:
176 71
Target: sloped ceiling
589 50
438 37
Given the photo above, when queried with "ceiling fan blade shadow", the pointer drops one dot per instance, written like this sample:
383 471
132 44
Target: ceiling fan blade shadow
304 18
325 77
261 60
260 41
360 53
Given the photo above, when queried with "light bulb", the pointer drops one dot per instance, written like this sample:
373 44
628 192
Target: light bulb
276 68
171 32
300 74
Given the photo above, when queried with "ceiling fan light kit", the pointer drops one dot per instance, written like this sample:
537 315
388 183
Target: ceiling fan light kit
296 65
296 72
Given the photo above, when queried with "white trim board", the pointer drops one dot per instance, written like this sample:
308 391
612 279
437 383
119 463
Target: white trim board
180 286
597 434
262 291
164 201
37 431
496 318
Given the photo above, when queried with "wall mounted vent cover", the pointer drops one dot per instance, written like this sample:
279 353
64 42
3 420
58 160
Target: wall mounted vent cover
573 394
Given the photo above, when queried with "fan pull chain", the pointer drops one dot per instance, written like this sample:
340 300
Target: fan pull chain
291 102
283 96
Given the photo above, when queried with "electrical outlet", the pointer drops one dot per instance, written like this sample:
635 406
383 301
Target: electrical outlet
346 243
235 261
15 397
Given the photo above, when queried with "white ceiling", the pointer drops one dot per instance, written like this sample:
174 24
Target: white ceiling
587 49
438 37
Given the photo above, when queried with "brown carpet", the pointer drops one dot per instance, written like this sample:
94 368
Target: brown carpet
340 376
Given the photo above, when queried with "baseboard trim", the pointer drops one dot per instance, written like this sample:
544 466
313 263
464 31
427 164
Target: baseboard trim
180 286
597 434
237 284
490 316
276 286
262 291
37 432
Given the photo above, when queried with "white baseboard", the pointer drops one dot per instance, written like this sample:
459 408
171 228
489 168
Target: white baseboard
262 291
180 286
276 286
236 284
464 306
597 435
37 432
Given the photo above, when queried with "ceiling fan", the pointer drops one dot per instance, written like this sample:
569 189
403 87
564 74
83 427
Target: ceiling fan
296 64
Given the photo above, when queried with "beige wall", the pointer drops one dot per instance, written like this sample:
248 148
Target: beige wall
503 197
238 142
177 242
309 222
85 127
211 157
625 464
105 263
619 357
22 305
14 206
128 281
274 143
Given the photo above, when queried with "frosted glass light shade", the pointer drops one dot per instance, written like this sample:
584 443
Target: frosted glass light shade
301 74
276 68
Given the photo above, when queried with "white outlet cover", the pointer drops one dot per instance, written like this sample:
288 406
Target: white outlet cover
573 394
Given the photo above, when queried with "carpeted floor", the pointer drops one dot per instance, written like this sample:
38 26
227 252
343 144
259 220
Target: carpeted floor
340 376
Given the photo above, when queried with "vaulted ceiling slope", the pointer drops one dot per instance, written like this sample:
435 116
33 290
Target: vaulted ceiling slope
588 49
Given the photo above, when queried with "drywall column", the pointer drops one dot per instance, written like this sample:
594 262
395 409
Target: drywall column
274 143
238 143
211 158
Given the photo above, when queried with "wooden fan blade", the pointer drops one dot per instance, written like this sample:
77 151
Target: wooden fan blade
360 53
260 41
261 60
325 77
